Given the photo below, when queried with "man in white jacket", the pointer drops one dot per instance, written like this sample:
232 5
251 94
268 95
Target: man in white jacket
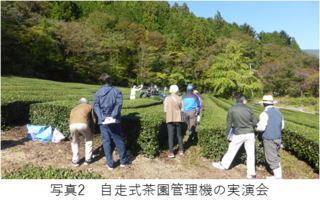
133 91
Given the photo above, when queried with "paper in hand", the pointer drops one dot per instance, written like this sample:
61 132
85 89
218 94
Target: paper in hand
231 133
109 122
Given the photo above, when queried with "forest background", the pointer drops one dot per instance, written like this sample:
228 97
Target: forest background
151 43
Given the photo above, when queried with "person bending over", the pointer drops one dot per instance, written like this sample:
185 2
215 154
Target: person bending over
82 120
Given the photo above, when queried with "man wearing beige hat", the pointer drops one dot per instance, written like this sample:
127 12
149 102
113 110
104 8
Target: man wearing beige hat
271 122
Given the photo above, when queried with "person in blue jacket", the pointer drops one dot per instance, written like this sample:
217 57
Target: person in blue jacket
191 110
107 104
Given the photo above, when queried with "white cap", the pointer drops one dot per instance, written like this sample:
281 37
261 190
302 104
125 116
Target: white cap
268 99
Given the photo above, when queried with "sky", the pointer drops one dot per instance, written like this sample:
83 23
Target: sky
299 19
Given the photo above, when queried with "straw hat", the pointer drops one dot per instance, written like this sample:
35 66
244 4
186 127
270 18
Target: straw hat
268 99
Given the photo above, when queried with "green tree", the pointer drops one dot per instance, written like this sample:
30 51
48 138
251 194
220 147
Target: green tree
150 16
230 72
64 10
247 29
295 46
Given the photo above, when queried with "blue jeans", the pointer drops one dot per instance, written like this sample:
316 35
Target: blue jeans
113 130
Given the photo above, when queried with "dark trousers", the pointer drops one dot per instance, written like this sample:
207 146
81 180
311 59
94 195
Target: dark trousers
171 127
114 131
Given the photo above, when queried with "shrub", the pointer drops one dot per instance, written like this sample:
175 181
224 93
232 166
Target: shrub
29 171
17 94
142 121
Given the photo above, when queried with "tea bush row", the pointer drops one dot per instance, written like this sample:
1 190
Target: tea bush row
29 171
17 94
142 121
302 140
305 119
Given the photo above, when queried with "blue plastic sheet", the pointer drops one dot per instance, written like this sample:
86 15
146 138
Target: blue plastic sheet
34 130
46 135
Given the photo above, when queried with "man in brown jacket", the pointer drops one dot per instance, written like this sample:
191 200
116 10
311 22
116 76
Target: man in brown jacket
82 120
173 106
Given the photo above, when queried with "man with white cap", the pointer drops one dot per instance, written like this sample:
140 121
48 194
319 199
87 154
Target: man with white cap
271 122
133 91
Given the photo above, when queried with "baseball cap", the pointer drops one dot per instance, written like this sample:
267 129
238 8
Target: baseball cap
189 87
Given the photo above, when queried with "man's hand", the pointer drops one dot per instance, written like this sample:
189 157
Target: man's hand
230 139
108 119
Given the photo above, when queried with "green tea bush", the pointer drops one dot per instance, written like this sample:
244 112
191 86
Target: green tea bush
304 142
17 94
29 171
142 121
309 120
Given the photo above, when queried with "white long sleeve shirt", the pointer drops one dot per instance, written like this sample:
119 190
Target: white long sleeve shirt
263 121
133 91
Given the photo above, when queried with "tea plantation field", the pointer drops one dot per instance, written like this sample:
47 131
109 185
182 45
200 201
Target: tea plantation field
43 102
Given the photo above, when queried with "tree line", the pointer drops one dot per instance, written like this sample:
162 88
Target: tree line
151 43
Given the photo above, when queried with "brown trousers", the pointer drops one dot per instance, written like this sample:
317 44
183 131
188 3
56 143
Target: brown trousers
190 119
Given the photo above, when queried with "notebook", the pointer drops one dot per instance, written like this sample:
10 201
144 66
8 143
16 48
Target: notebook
231 134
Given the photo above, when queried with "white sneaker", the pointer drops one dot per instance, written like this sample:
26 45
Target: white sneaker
75 163
251 176
218 165
110 168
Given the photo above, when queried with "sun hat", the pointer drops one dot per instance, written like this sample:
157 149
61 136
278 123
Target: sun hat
268 99
189 87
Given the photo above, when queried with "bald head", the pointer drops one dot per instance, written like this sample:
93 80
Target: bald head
83 100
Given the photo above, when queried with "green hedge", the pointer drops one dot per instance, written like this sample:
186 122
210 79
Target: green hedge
213 136
142 120
302 140
29 171
17 94
309 120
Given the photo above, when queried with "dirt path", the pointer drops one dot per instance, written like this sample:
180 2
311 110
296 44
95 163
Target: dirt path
17 150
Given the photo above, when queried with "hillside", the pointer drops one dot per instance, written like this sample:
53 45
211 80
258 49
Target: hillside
312 51
150 43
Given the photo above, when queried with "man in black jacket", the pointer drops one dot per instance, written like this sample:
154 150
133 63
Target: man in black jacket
244 121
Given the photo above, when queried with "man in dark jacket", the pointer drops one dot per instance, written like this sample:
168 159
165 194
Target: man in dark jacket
244 121
107 104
